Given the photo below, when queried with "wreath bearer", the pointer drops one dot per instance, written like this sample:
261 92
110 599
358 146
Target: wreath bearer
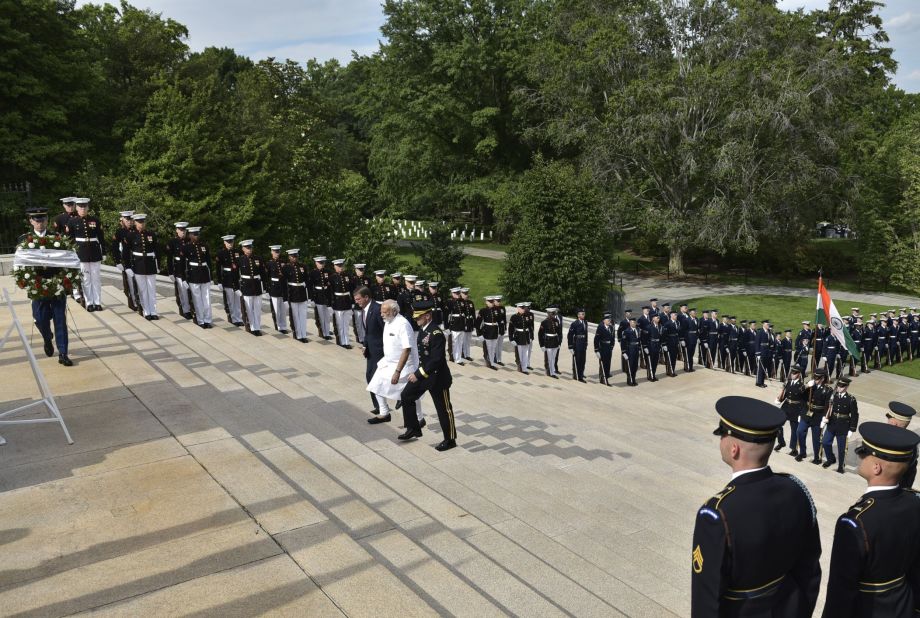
47 286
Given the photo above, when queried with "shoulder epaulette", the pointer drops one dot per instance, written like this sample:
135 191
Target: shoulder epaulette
857 510
716 501
437 331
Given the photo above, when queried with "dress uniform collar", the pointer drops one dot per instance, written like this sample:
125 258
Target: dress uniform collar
753 476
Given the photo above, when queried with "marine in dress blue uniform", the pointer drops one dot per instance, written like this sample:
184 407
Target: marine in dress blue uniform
756 543
841 421
632 343
604 340
763 356
875 560
578 344
651 346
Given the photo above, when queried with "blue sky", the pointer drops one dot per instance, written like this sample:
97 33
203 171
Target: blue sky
303 29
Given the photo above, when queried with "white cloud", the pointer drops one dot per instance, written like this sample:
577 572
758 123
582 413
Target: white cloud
301 52
905 22
913 75
808 5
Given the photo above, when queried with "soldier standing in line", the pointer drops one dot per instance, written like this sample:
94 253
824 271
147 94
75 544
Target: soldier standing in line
520 337
470 318
550 338
632 342
273 282
840 422
529 320
86 232
406 298
578 345
703 338
604 339
251 272
396 285
756 543
792 402
802 345
818 344
914 323
197 275
381 289
817 394
295 276
175 267
501 316
119 256
60 221
712 339
874 561
868 346
487 328
143 254
358 280
342 301
642 322
724 334
671 332
456 322
437 312
653 309
228 278
651 345
321 294
784 352
830 355
762 354
621 328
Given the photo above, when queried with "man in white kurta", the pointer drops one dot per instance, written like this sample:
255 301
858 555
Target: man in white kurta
400 358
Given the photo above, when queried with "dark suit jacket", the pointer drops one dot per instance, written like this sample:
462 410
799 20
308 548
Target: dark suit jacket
373 334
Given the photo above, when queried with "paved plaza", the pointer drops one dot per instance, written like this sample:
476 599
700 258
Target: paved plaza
215 473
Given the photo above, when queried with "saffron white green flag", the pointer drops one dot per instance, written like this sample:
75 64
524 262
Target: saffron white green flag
827 316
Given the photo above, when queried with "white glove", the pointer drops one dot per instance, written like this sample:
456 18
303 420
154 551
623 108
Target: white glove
543 350
778 402
706 345
120 267
172 278
625 355
220 287
597 354
645 350
849 435
810 383
130 272
823 422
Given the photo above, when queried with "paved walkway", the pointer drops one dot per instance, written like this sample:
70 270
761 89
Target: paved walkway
219 474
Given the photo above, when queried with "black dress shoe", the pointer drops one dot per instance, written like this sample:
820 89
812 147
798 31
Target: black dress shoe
778 447
90 308
828 463
582 380
761 385
555 377
800 457
493 367
446 445
257 333
347 346
49 348
528 367
399 404
327 338
303 340
238 324
467 358
840 470
500 363
98 307
154 317
149 318
816 461
691 370
63 360
793 452
410 435
422 423
284 332
374 420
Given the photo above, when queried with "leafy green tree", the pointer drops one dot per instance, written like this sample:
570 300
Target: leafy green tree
441 257
561 249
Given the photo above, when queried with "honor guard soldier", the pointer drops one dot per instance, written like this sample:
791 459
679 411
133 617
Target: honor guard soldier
689 334
321 293
251 272
437 314
228 276
830 355
711 349
725 357
519 335
60 221
197 261
645 319
381 289
144 254
840 422
53 309
501 316
358 280
851 319
342 301
604 339
756 543
456 322
900 415
914 323
296 276
784 352
175 267
817 395
875 561
703 339
119 251
396 283
868 347
550 337
470 316
818 343
792 402
653 309
274 283
632 342
651 347
671 332
578 344
432 375
531 326
904 339
621 328
86 231
487 328
407 297
803 343
762 352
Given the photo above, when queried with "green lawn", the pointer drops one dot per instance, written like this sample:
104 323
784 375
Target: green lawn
479 274
788 312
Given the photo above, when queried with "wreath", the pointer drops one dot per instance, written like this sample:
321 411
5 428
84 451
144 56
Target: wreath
44 266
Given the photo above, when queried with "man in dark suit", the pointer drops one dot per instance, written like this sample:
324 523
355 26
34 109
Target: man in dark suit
373 342
432 375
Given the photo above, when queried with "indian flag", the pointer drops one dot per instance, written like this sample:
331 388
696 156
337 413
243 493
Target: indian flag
826 309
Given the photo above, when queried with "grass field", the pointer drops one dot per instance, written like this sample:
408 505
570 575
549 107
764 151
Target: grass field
788 312
479 274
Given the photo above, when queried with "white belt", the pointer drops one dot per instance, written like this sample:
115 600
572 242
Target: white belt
197 264
490 323
275 279
300 285
318 287
143 254
456 315
247 277
341 293
228 269
86 239
177 258
550 334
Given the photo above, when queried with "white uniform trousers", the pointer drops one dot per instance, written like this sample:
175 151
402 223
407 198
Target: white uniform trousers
529 353
467 338
299 314
183 295
498 348
201 297
358 316
341 323
279 305
551 354
456 342
92 283
491 345
232 304
524 356
322 311
147 290
132 285
254 311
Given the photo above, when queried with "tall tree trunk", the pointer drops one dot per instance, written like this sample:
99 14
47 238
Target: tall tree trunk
676 262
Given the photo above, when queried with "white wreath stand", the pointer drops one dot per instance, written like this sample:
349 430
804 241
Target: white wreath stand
47 399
